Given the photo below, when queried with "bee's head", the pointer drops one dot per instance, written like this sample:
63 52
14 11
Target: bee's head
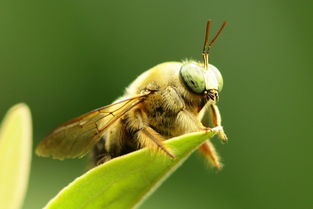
206 82
207 79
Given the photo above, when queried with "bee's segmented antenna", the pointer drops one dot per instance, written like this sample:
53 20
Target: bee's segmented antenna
218 33
207 45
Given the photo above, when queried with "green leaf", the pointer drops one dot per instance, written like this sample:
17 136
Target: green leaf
15 156
126 181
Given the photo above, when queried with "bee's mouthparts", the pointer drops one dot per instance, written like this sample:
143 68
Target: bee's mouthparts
212 94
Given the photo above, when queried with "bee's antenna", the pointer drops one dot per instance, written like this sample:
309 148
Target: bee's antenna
207 45
218 33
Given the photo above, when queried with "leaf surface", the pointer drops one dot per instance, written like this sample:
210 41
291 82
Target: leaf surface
15 156
126 181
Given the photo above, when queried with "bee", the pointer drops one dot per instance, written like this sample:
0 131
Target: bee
168 100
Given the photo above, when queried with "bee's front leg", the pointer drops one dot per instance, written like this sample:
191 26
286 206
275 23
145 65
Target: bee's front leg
217 121
210 113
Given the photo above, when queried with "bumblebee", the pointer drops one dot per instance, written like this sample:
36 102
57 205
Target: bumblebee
168 100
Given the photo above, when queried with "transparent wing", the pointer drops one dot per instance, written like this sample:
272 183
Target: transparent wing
76 137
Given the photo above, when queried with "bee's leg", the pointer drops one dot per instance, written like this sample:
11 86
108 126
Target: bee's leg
99 154
147 136
114 139
217 121
208 150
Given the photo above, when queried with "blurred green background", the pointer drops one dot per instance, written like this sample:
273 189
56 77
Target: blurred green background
64 58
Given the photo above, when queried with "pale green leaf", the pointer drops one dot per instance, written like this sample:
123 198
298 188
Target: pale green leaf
125 181
15 156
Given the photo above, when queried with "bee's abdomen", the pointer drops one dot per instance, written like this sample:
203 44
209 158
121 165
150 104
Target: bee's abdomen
102 153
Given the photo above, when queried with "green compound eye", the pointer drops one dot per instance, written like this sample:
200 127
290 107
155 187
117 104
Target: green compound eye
218 77
193 77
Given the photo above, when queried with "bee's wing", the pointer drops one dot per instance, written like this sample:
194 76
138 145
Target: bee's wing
76 137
